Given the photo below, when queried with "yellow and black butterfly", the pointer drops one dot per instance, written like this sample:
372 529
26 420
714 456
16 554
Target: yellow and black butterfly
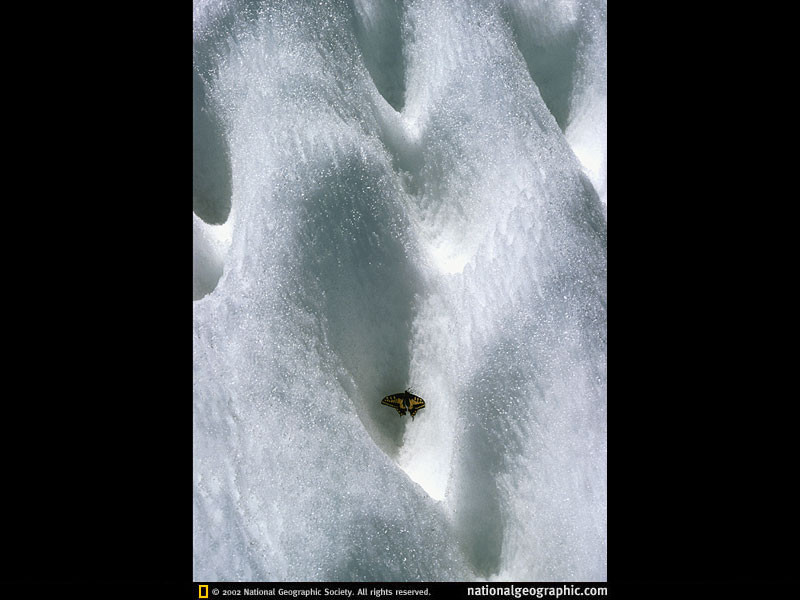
403 402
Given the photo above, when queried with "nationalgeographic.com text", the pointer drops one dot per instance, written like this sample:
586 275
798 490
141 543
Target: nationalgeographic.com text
550 591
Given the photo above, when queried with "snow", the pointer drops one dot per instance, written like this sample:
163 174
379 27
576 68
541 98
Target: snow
392 194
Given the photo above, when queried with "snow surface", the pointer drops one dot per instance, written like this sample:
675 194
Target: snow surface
392 194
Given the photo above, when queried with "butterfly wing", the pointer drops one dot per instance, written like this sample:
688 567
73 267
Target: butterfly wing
395 401
416 403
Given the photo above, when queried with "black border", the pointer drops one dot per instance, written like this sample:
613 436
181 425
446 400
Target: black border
98 425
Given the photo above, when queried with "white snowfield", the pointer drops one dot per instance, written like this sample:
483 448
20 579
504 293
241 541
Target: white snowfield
391 194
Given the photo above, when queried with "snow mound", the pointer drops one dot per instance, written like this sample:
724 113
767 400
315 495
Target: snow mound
391 194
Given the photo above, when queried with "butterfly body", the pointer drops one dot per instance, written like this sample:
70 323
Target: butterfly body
403 402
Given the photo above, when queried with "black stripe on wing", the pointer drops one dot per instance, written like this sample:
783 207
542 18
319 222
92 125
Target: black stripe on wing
395 402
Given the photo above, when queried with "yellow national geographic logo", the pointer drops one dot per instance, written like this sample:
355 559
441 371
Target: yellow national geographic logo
203 591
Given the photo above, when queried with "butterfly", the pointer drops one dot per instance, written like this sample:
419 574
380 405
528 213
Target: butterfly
403 402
